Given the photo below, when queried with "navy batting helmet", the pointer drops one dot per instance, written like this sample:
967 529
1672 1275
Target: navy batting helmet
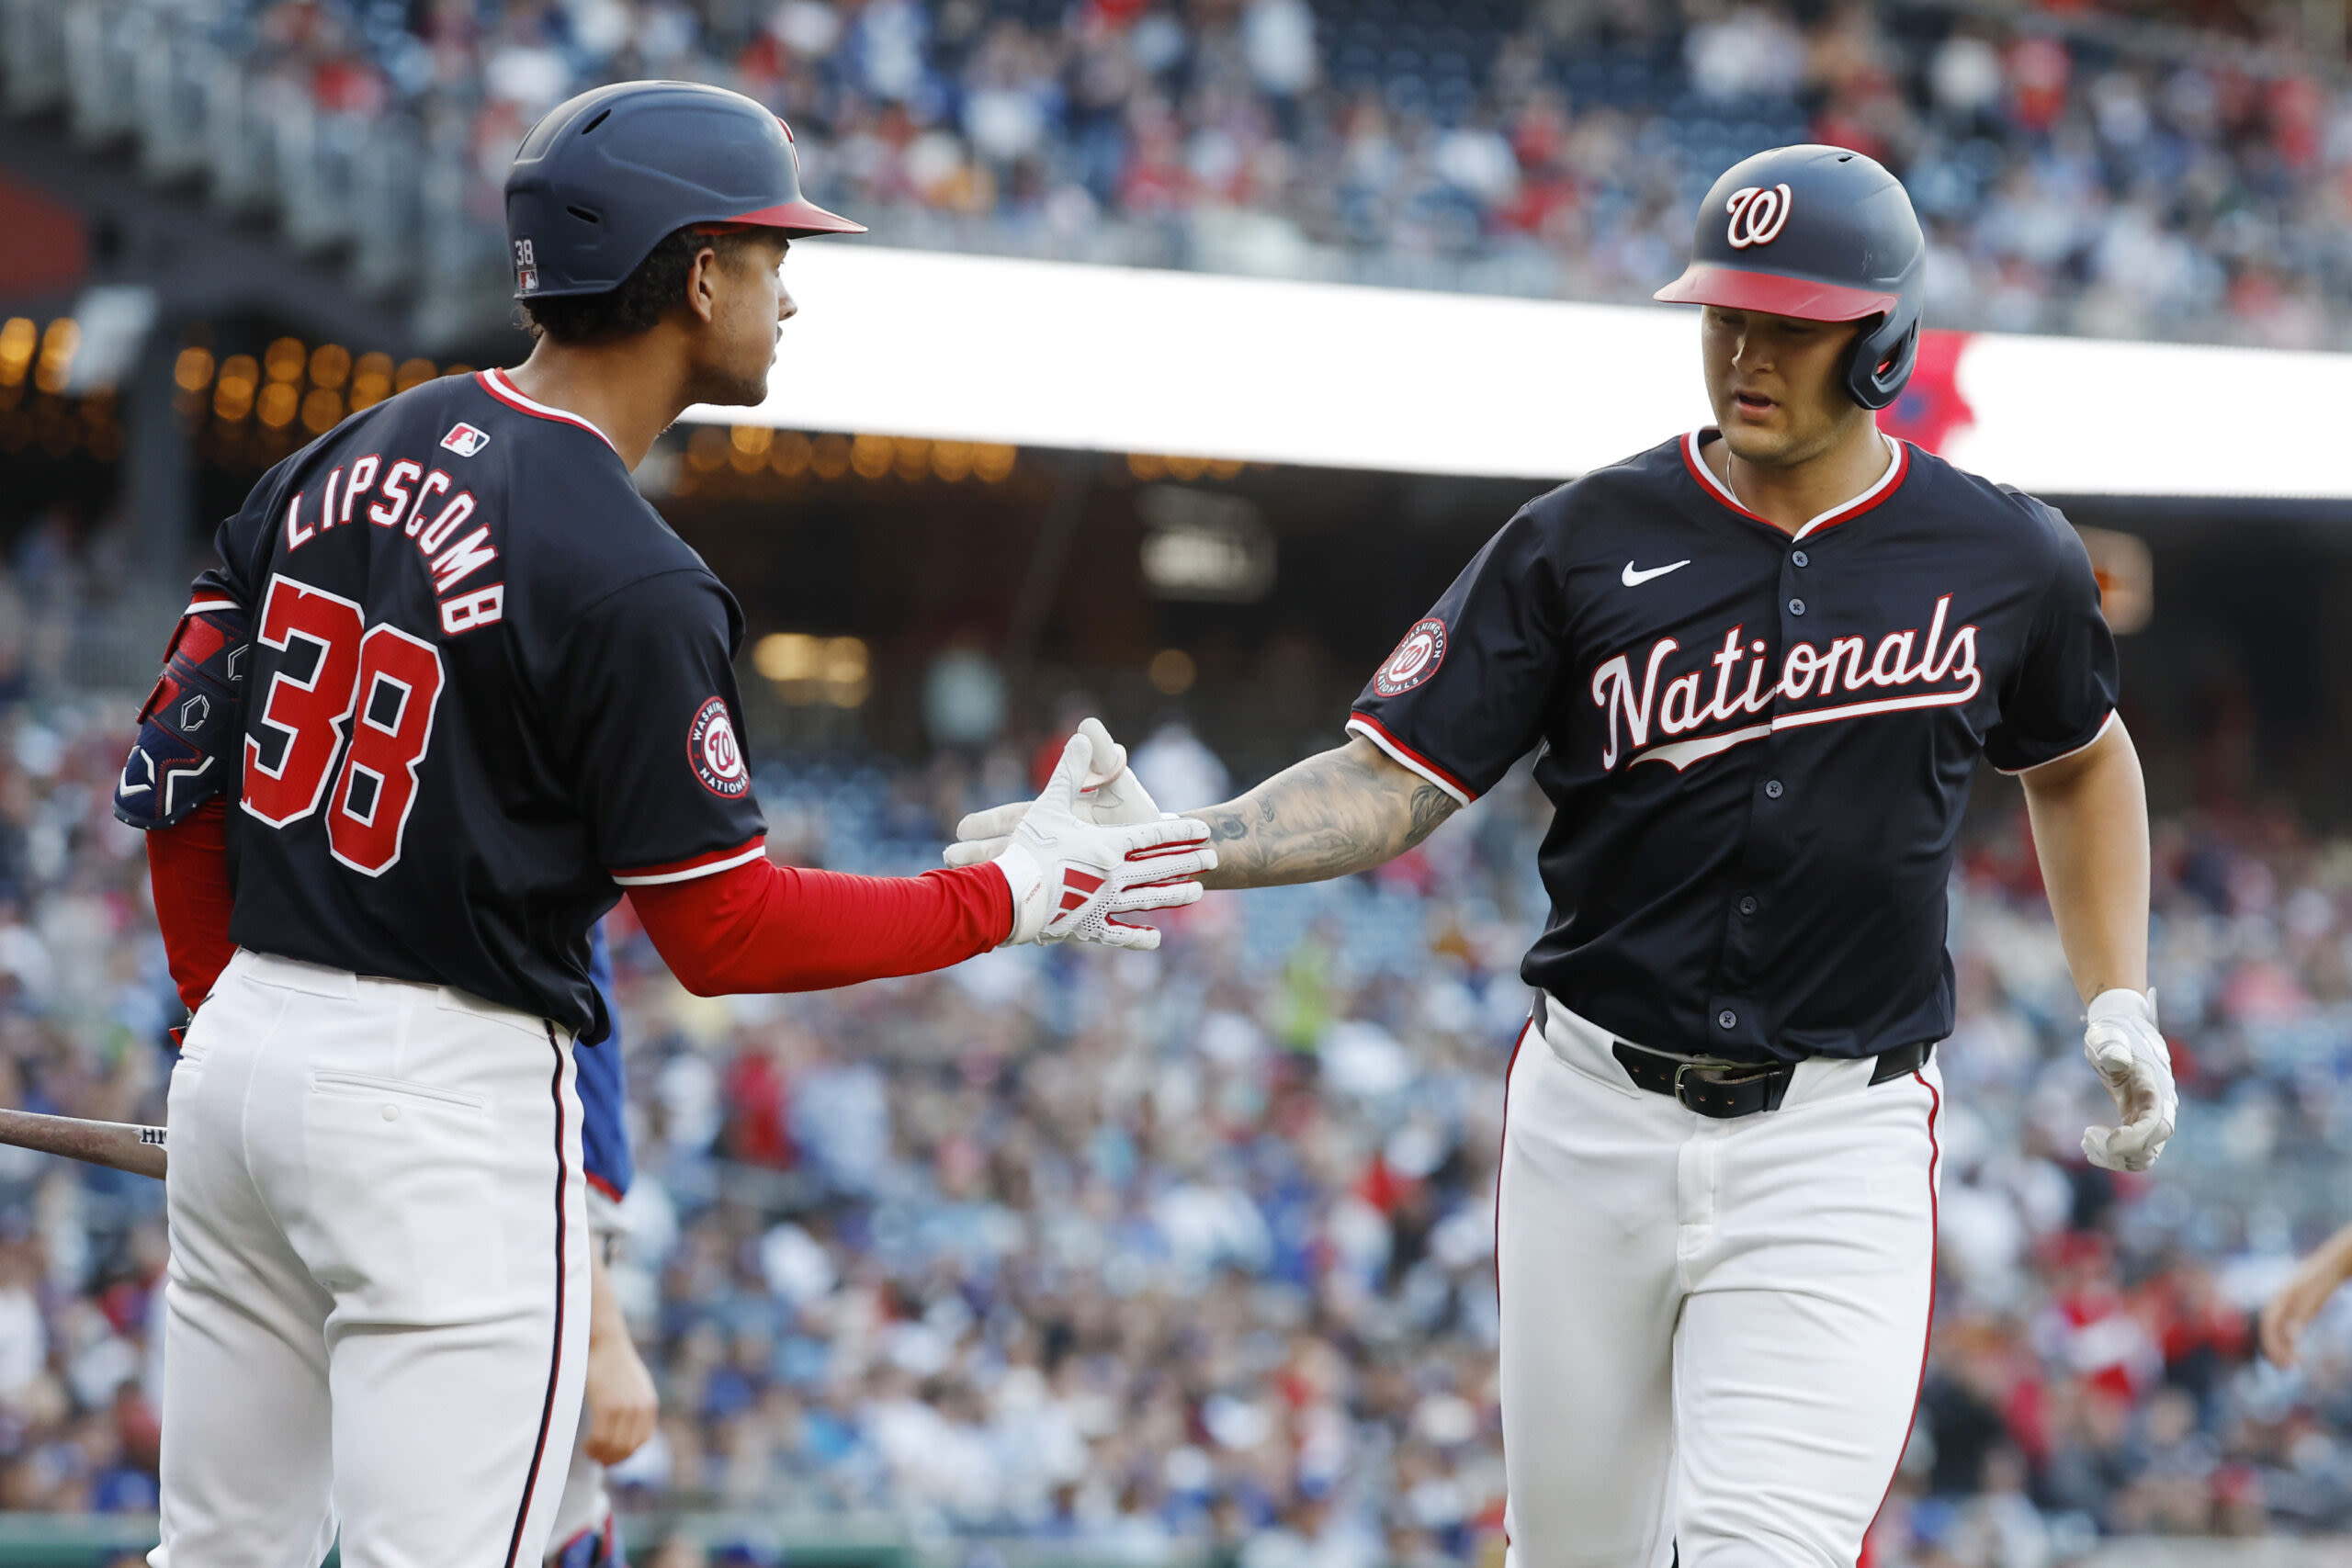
1821 233
605 177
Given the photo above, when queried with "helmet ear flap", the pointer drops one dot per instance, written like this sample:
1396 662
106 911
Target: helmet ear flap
1881 358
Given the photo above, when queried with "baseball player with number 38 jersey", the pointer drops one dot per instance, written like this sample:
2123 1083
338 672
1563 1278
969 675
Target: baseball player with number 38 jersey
453 689
1757 666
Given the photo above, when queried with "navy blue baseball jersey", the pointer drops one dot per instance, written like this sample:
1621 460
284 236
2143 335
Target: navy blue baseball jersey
488 687
1758 745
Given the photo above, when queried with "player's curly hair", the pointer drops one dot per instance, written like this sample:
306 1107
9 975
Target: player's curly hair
659 282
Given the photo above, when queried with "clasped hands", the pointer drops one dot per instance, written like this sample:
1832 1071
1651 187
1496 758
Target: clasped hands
1091 847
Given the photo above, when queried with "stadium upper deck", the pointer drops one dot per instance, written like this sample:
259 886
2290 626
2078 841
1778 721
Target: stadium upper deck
2080 175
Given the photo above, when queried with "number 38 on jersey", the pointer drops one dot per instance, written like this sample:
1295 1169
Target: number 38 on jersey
348 736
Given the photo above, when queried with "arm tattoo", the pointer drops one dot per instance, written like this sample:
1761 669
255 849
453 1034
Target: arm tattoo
1432 806
1345 810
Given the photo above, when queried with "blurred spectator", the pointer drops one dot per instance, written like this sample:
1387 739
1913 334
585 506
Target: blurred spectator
1179 770
2079 174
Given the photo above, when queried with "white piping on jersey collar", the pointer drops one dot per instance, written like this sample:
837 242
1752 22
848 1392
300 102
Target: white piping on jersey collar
500 386
1894 467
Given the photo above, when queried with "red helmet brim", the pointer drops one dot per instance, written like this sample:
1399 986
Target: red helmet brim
1775 294
797 218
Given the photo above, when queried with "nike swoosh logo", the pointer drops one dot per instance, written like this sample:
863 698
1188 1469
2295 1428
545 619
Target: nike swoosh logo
1635 579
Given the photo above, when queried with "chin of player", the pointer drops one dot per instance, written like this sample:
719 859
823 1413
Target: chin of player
1761 441
742 389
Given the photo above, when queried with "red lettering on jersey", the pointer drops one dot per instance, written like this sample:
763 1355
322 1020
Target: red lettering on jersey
482 608
309 714
1804 669
385 753
363 474
341 709
297 533
387 512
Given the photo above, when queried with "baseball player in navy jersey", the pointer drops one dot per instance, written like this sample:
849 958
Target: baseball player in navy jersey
452 690
1757 666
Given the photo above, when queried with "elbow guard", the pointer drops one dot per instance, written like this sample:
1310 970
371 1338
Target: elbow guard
191 723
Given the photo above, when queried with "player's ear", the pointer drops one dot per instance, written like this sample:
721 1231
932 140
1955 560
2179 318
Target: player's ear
702 284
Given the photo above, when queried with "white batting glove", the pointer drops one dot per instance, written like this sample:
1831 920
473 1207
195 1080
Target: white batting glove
1072 878
2128 1052
1110 795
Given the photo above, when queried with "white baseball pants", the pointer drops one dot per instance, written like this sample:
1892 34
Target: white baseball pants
587 1506
1712 1331
376 1311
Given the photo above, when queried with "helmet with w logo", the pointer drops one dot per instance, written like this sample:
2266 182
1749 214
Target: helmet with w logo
1821 234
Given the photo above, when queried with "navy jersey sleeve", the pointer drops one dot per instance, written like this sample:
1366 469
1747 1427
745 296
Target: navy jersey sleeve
2062 694
604 1092
1464 695
647 718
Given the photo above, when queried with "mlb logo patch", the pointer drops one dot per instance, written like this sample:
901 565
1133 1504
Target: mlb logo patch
465 440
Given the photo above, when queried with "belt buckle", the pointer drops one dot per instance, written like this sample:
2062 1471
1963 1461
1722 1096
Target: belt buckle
1695 1063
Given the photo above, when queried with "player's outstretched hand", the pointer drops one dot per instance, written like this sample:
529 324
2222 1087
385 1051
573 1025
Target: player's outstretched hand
2287 1314
2128 1052
1071 877
2315 1279
1109 793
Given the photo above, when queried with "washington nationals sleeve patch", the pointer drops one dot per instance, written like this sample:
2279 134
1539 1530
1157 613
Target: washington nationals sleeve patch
717 756
1414 660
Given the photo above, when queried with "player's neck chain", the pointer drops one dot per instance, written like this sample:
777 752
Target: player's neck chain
1723 482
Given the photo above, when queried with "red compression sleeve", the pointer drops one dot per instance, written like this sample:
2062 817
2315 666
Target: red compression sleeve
764 927
188 864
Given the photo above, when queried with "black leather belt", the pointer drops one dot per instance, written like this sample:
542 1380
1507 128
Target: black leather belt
1722 1089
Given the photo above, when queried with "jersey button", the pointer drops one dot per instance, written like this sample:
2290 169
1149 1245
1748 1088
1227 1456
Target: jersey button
391 1113
1771 789
1798 557
1747 904
1796 606
1726 1020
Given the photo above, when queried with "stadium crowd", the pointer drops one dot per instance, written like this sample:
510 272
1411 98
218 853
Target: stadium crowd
1136 1254
2076 174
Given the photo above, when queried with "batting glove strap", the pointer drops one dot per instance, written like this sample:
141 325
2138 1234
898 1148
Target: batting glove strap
2128 1052
1075 890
